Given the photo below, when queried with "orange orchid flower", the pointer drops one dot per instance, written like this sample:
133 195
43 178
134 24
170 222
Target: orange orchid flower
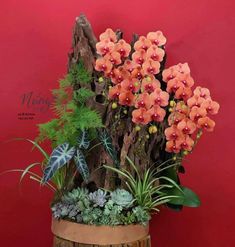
123 48
202 92
103 65
139 56
187 126
119 74
141 116
149 84
173 133
143 100
126 98
196 113
159 97
186 143
157 113
130 84
172 147
173 85
114 92
186 79
155 53
206 123
211 106
175 118
181 107
129 65
195 100
137 73
151 67
104 47
169 74
157 38
114 57
109 34
142 43
183 68
183 93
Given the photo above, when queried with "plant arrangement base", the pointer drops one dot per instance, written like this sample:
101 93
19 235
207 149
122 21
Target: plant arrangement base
70 234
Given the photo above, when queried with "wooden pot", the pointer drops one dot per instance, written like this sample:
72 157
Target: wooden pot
70 234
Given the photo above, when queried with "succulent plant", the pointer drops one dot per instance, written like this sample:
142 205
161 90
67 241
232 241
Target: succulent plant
98 198
142 216
122 198
63 210
75 195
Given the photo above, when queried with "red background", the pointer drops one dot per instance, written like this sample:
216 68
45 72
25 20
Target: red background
35 38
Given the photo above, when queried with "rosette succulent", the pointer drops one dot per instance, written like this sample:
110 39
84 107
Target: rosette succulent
122 198
98 198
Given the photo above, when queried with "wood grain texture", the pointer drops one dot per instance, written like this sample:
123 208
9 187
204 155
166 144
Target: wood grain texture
59 242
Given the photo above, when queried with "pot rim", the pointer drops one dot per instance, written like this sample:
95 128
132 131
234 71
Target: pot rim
98 235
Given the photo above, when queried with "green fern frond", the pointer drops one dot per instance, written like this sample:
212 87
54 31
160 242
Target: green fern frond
82 95
80 74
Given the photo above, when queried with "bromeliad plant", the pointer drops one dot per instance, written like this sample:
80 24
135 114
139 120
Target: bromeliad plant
123 125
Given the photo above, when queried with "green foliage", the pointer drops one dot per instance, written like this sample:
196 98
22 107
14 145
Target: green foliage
122 198
82 95
146 189
79 194
80 74
141 214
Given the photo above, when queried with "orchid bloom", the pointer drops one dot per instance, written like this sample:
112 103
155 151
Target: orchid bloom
126 98
157 113
123 48
142 43
137 73
141 116
202 92
103 65
119 74
175 118
173 85
157 38
129 65
150 84
151 67
182 68
181 107
114 57
104 47
186 143
197 112
173 133
114 92
131 85
143 100
183 93
195 100
211 106
139 56
206 123
187 126
109 34
159 97
172 147
169 74
155 53
186 79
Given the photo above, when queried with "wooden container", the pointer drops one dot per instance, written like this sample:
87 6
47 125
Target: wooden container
70 234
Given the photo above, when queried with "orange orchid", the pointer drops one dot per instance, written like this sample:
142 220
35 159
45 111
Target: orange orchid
141 116
114 92
155 53
157 38
206 123
129 65
151 67
119 74
109 34
173 85
181 107
149 84
172 147
195 100
169 74
187 126
157 113
183 93
186 79
130 84
159 97
175 118
139 56
182 68
173 133
202 92
186 143
123 48
143 100
126 98
137 73
142 43
211 106
114 57
196 113
104 47
103 65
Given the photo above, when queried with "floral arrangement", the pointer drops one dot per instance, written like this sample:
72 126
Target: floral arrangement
123 125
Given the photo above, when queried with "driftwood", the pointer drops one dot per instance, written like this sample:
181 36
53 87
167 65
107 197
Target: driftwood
143 149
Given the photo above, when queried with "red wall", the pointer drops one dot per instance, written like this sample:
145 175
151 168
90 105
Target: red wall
35 38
